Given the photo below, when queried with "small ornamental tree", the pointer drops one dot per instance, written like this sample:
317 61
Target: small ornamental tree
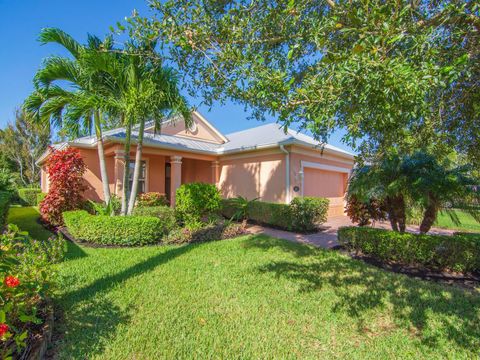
65 172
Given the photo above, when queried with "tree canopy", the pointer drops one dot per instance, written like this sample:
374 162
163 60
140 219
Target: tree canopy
392 73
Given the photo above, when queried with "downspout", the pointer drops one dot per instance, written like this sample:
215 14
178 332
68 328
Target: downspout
287 174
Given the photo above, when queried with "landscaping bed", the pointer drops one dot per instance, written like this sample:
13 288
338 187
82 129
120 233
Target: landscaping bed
451 259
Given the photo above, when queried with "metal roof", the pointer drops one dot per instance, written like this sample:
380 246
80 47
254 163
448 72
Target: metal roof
264 136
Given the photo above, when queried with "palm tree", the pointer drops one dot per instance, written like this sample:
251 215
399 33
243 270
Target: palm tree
160 87
434 184
84 102
144 90
384 181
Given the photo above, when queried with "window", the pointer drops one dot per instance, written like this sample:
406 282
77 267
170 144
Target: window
141 178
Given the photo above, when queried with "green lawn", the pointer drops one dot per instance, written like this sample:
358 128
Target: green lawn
252 297
467 222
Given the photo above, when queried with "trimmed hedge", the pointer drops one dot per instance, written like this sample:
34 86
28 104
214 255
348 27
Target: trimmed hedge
460 252
40 197
164 213
5 198
28 196
307 212
195 201
114 230
302 214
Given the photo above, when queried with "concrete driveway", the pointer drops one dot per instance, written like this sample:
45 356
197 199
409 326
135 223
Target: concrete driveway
328 238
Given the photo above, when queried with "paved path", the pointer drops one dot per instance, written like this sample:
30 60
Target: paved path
327 238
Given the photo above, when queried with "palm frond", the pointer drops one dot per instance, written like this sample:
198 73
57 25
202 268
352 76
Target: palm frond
55 35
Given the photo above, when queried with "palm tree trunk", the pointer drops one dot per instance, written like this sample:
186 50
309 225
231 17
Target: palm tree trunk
101 157
138 166
429 216
126 172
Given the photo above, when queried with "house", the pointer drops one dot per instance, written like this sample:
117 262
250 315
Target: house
264 162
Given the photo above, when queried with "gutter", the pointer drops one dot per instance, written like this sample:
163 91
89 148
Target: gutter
287 174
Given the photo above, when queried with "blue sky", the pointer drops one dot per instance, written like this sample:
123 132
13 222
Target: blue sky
21 21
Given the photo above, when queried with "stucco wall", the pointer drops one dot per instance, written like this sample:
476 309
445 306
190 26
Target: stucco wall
92 176
200 131
255 176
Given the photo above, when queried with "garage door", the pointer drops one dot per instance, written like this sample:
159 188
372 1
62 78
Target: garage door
329 184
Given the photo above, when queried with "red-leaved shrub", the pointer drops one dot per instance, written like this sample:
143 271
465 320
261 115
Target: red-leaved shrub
65 172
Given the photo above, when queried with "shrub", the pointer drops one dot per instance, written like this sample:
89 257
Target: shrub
5 198
7 181
65 172
363 212
151 199
300 215
195 201
40 197
201 232
164 213
307 213
114 230
459 252
26 280
28 196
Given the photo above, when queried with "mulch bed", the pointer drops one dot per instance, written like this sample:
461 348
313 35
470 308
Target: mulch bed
470 281
40 335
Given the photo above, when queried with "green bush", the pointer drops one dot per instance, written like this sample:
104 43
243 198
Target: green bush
201 232
308 212
5 198
114 230
27 279
151 199
195 201
301 215
459 252
40 197
28 196
164 213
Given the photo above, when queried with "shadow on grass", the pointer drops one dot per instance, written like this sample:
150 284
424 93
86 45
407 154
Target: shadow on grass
92 317
267 243
74 251
432 312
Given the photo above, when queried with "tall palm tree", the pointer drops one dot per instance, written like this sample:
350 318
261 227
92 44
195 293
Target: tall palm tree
144 90
86 99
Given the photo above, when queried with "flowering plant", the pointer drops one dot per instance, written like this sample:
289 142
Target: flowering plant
25 275
65 173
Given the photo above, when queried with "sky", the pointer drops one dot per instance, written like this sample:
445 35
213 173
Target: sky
21 54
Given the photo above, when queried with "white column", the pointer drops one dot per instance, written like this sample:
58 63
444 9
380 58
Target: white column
175 177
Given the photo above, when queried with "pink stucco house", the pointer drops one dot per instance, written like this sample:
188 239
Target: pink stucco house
262 162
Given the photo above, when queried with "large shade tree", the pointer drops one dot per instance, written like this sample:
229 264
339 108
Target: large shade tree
389 72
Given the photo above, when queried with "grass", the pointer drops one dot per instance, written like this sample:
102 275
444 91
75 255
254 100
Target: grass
467 222
252 297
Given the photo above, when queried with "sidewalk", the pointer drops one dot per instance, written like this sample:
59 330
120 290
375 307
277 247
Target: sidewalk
327 239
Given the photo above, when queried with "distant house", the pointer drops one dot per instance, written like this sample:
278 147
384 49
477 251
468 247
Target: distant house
262 162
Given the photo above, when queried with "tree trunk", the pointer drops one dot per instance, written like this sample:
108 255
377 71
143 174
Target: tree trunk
429 216
396 212
126 172
138 167
101 157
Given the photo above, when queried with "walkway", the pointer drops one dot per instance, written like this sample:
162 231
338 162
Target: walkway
327 238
